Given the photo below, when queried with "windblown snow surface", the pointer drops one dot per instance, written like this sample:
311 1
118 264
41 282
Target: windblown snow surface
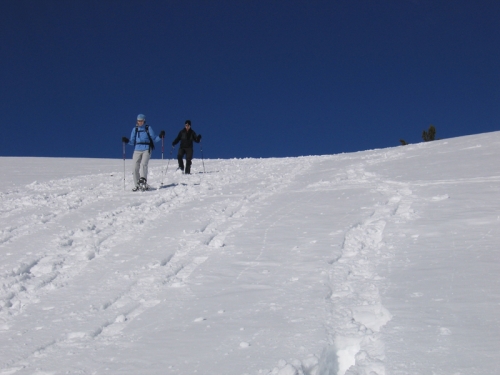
377 262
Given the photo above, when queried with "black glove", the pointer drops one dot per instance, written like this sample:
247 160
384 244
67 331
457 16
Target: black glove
125 140
173 144
199 137
162 134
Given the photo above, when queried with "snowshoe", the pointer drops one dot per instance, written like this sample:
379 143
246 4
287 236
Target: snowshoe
143 185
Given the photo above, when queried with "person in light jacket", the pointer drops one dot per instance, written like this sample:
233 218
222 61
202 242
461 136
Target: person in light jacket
142 138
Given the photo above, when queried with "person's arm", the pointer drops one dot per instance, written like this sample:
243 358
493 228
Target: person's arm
176 140
132 137
195 137
154 137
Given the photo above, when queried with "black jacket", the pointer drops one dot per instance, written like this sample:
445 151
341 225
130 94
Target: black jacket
186 137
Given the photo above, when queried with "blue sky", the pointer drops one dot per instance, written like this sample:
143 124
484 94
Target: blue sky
256 78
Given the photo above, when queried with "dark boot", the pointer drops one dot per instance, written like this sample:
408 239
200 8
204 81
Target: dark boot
181 164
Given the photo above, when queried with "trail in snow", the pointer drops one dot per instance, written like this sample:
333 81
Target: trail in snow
66 217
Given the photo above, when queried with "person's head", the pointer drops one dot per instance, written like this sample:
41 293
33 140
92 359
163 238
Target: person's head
141 119
187 124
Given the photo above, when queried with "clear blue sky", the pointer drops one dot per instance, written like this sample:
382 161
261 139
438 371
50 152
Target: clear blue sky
257 78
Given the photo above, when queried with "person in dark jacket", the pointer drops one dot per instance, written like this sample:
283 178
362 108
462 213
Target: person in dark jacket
186 137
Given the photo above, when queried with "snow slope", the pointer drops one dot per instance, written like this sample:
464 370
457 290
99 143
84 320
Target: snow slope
377 262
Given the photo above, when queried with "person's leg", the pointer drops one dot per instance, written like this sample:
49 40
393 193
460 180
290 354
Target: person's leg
136 164
146 155
189 157
180 155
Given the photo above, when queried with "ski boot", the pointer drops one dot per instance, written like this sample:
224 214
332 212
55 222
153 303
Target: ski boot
143 185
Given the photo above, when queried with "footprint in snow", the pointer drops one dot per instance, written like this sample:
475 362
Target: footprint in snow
121 319
440 198
444 331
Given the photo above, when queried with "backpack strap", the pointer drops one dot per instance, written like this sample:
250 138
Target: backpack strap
150 143
135 135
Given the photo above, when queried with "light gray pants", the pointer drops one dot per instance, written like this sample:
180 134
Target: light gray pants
140 162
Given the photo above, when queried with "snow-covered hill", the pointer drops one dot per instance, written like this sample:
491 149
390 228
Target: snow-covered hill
378 262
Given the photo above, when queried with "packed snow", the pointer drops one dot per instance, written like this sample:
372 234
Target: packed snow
371 263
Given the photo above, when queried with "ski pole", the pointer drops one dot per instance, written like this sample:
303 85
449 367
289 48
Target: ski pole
123 165
162 149
172 149
201 148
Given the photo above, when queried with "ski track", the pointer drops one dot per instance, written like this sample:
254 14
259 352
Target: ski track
42 208
354 285
353 301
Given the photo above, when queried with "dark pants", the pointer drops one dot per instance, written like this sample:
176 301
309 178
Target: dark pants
189 156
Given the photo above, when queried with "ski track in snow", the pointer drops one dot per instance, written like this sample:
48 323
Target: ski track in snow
41 208
354 285
354 304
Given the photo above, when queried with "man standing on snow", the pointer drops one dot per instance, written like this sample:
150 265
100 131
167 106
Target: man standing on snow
142 139
186 137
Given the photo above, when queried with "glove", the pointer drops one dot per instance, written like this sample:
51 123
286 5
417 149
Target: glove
162 134
173 144
199 137
125 140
